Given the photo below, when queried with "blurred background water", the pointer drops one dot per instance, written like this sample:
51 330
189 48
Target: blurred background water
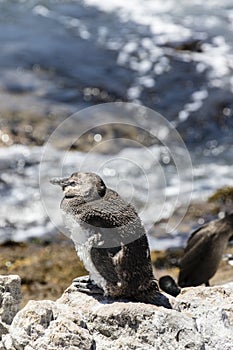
58 57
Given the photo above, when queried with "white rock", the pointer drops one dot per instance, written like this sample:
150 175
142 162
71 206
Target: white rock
10 299
201 318
213 310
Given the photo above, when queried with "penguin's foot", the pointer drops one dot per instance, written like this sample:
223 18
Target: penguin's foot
85 285
81 279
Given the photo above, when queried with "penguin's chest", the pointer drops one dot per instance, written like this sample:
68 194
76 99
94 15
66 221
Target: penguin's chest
83 239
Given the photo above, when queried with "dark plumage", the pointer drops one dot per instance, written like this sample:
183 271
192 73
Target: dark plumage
168 285
204 251
109 238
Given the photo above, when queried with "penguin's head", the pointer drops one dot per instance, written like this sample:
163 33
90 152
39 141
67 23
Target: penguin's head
85 186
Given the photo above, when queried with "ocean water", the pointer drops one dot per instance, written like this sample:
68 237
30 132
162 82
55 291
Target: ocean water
30 204
63 56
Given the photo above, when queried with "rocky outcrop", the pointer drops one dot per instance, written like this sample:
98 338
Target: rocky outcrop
10 299
201 318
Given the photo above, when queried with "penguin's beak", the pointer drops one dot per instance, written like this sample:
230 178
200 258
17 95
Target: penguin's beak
61 181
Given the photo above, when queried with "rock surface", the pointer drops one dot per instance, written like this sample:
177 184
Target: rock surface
10 299
201 318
